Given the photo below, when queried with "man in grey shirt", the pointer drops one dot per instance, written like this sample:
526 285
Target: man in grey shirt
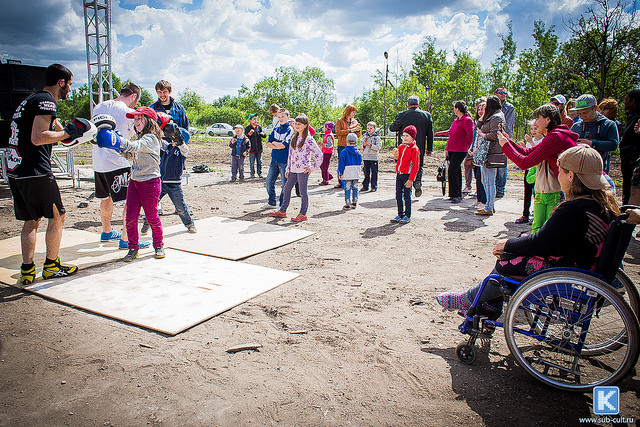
509 112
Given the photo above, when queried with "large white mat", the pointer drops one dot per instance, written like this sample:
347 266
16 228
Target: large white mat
231 238
78 247
167 295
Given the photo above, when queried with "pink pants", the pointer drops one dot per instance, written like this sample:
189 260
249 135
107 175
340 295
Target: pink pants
145 195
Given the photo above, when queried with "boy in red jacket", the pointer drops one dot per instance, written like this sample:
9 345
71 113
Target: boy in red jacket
407 164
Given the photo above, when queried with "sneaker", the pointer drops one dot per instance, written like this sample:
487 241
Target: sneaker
145 228
125 245
522 220
131 255
418 189
405 220
159 252
278 214
338 185
27 276
456 200
232 180
373 190
192 229
299 218
499 195
112 235
397 219
346 207
268 206
363 189
354 205
55 269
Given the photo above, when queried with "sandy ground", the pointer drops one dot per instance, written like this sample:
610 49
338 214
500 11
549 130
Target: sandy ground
370 355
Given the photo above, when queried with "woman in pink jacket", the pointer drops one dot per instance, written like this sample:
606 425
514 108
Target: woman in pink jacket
460 138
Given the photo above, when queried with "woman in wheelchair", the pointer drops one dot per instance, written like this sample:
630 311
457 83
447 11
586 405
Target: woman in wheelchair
572 237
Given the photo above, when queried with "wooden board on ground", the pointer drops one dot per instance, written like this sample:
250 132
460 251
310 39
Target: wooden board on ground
231 238
167 295
78 247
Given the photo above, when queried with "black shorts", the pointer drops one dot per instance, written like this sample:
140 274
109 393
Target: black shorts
112 184
34 197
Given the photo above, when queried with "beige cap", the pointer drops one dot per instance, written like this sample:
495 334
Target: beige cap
586 163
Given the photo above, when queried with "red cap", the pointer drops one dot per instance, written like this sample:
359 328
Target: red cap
411 130
143 111
163 119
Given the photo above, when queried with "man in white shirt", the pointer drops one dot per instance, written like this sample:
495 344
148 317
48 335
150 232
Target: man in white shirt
110 169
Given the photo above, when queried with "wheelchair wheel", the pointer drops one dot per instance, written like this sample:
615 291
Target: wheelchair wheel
466 353
571 331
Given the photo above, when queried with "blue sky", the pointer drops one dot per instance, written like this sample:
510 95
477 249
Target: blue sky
215 46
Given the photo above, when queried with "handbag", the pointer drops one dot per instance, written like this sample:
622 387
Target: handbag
496 160
468 162
482 149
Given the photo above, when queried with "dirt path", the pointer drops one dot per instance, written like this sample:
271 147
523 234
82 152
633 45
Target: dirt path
368 357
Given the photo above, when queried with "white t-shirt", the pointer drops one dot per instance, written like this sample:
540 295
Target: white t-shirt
107 159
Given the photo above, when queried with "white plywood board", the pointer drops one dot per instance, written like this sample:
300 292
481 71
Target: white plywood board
167 295
231 238
78 247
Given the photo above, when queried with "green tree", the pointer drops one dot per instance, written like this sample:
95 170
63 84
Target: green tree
602 56
501 74
191 101
430 69
533 80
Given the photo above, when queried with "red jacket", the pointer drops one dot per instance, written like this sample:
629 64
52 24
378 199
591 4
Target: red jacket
408 160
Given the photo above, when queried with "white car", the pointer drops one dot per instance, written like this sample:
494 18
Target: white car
193 130
220 129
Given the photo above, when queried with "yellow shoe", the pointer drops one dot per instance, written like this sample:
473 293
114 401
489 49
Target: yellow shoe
55 269
27 276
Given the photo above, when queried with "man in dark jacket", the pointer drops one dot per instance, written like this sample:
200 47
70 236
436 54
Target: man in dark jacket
424 137
630 142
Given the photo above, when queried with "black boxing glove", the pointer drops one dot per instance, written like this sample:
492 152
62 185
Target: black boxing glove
76 128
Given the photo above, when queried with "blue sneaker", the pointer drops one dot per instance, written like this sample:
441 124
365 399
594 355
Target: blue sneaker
125 245
397 219
405 220
112 235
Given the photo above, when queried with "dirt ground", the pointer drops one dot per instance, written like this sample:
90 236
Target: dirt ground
377 349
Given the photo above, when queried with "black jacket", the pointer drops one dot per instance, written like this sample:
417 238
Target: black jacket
630 140
422 121
255 139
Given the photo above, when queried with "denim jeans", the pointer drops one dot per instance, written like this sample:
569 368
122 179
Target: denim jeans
489 184
275 169
174 190
253 159
350 190
403 194
501 179
481 196
300 179
340 148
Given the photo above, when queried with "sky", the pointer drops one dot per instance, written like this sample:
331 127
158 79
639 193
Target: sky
214 46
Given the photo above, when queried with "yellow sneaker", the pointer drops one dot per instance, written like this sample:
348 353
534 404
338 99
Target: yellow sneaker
55 269
27 276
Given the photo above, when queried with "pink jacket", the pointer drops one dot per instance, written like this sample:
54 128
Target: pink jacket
460 135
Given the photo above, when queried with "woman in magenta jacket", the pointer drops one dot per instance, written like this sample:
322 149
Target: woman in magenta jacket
460 137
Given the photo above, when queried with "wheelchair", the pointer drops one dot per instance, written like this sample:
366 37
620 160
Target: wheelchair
572 329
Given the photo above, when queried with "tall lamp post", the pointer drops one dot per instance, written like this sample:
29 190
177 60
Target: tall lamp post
384 92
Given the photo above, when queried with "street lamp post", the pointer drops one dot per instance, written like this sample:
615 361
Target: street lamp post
384 92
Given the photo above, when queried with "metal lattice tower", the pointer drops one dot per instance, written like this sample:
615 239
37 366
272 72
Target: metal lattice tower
97 30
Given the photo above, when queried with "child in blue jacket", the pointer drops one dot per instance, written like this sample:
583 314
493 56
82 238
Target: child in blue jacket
349 165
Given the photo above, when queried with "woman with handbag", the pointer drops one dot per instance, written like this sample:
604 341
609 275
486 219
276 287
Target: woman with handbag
460 138
557 138
489 124
481 196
